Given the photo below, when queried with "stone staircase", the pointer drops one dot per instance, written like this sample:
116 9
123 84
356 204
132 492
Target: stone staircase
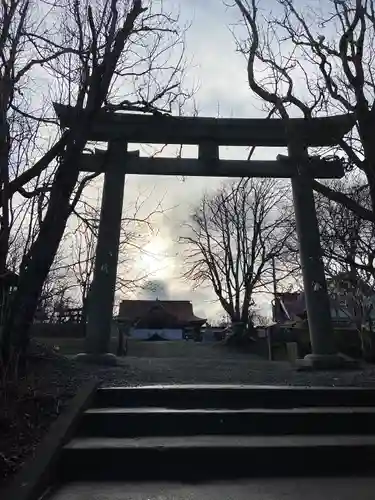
206 433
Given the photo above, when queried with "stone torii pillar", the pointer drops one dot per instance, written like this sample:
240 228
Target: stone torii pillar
100 304
324 354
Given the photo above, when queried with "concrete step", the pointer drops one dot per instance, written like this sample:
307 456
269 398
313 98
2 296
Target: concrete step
154 421
206 457
233 396
339 488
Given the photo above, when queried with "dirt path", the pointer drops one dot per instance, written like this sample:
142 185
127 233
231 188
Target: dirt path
184 349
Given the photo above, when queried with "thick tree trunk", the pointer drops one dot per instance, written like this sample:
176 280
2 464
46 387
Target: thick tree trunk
4 184
39 259
4 221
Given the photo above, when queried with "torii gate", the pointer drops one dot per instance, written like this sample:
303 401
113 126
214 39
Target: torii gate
117 129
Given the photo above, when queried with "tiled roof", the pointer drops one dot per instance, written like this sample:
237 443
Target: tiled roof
294 303
182 310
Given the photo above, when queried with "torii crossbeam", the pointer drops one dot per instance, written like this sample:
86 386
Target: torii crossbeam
166 129
139 165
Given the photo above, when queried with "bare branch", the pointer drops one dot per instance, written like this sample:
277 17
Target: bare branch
231 239
344 200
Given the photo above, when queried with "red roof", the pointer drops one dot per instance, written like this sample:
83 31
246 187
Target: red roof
182 310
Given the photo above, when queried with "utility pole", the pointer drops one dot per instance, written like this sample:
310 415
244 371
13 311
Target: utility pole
269 331
274 284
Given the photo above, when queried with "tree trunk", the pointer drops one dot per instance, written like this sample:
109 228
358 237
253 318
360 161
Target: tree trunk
4 229
4 183
37 262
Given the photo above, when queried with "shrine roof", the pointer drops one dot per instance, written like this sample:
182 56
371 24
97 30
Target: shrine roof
182 310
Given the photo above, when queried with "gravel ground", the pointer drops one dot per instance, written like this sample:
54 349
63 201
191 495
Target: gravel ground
29 406
221 371
194 364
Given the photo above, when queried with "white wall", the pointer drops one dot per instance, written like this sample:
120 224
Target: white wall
165 333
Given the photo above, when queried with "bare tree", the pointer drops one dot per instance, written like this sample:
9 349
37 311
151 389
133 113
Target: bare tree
57 292
98 67
347 240
21 59
316 59
354 299
136 227
231 239
348 253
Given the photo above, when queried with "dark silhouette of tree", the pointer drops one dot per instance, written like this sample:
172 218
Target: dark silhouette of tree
97 67
314 59
230 242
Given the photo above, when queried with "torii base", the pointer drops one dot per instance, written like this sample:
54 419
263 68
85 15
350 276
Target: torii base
104 359
324 362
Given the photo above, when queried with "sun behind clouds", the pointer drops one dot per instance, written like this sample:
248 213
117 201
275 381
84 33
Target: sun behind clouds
154 258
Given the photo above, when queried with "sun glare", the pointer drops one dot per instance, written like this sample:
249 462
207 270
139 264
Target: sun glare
154 258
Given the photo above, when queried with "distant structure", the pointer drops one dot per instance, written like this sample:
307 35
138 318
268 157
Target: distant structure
163 319
290 307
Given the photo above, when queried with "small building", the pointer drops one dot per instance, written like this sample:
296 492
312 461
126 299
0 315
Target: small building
164 319
289 306
213 333
348 298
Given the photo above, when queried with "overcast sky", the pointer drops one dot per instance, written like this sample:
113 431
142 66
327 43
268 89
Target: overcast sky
223 90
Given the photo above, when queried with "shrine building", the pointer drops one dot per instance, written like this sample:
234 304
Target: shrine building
167 319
